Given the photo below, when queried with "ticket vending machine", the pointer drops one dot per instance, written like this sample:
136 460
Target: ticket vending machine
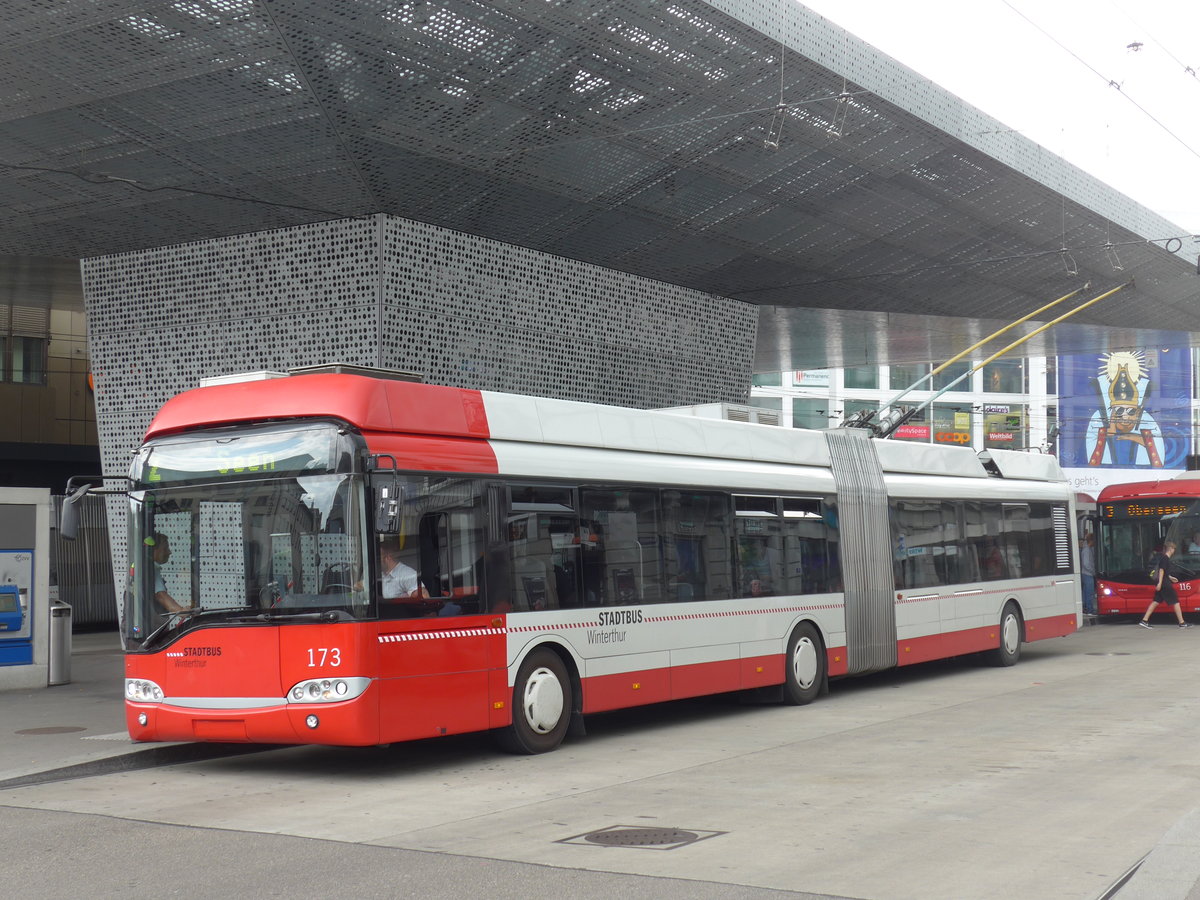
24 588
16 624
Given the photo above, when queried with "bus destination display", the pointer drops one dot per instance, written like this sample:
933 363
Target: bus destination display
1143 509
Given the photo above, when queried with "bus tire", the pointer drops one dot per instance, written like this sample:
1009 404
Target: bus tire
1011 630
541 705
804 675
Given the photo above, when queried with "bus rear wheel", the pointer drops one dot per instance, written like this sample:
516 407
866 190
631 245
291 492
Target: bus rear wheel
805 663
1009 650
541 705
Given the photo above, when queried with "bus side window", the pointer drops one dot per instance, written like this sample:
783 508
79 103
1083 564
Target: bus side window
920 548
969 542
543 531
806 564
623 565
993 562
434 538
953 571
696 556
759 528
1016 540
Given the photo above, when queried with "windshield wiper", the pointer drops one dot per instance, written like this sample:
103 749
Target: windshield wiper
328 615
175 617
171 619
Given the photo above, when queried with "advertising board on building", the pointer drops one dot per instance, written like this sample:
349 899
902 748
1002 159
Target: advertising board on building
1127 409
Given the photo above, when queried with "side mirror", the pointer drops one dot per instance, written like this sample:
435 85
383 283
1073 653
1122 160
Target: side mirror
387 494
68 524
386 509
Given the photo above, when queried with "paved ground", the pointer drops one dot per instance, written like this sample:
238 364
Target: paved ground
1052 779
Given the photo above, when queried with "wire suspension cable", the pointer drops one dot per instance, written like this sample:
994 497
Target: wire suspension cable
863 418
900 420
991 337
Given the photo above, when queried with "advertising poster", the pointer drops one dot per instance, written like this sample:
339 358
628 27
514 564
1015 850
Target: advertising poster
1125 409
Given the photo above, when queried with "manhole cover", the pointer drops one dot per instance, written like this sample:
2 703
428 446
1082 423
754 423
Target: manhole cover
52 729
641 836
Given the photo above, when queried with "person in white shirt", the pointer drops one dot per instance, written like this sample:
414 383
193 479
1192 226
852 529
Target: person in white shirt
160 554
399 579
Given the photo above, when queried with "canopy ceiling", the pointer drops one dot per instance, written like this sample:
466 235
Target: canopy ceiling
749 149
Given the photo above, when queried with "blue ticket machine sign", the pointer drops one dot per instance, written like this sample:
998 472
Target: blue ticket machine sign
16 645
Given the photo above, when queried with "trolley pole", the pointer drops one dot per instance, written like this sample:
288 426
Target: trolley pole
894 422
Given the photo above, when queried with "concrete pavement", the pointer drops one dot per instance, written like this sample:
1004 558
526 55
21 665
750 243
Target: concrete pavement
77 730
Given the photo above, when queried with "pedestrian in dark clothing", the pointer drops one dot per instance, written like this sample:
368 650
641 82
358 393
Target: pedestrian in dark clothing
1164 587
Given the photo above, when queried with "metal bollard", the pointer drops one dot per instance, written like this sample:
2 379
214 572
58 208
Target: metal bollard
60 642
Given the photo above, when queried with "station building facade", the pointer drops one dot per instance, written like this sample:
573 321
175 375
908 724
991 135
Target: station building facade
1109 417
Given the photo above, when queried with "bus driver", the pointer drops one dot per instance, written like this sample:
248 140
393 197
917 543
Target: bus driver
160 554
399 579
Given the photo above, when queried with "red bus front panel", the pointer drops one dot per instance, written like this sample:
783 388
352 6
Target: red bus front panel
231 684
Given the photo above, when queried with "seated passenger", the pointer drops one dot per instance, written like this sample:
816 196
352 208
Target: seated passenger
759 588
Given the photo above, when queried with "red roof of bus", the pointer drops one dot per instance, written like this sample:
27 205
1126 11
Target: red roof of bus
370 404
1185 485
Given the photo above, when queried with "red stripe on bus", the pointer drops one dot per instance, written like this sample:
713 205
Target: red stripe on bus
973 640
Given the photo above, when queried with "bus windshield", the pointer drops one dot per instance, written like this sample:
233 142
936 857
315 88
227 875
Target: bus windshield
1132 532
272 548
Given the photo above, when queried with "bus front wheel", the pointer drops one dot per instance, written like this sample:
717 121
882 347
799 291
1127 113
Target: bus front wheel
1009 650
541 705
805 666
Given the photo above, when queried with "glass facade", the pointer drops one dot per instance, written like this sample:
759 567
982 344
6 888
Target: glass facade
901 377
1004 377
952 374
1003 405
808 412
767 379
24 359
861 377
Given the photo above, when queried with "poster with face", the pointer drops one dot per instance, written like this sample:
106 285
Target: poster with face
1125 409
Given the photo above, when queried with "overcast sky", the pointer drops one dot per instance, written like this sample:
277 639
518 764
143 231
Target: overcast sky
1045 68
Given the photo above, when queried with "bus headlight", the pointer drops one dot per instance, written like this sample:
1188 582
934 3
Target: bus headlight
327 690
141 690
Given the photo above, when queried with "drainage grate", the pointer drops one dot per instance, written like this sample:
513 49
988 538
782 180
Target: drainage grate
1109 654
641 837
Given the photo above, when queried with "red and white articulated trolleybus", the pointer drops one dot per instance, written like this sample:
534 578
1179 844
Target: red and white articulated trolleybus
1134 520
555 559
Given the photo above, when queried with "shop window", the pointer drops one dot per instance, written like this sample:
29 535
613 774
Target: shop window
861 378
1004 377
901 377
915 429
1004 427
952 424
951 374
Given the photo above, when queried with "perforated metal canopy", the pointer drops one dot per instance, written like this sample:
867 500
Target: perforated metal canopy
747 148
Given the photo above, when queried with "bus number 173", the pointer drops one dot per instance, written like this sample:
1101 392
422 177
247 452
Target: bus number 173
320 656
